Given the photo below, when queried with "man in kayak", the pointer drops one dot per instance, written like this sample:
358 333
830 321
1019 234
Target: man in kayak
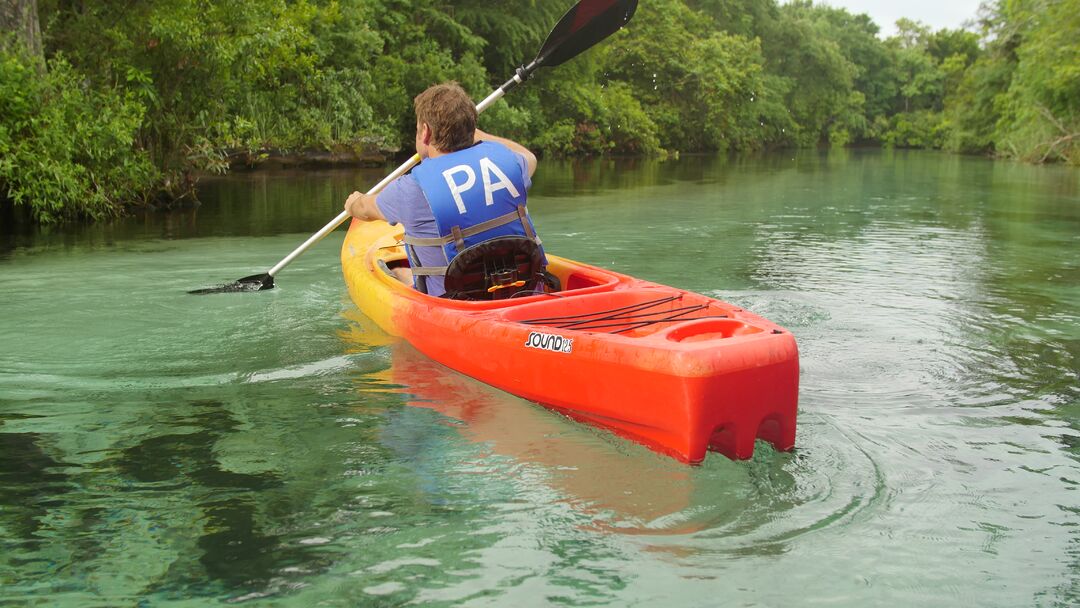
470 187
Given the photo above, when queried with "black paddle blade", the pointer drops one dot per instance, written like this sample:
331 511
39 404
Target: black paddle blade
587 23
255 282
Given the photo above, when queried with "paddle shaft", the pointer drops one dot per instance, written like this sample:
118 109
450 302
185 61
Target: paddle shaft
402 170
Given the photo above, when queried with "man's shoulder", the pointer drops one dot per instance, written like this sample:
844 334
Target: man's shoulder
503 148
402 200
518 157
405 186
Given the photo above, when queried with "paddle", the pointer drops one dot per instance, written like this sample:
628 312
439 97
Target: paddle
585 24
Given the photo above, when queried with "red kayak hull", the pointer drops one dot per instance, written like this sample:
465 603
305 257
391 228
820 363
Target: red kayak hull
677 371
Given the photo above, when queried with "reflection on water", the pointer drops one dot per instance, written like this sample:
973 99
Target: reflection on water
590 470
277 449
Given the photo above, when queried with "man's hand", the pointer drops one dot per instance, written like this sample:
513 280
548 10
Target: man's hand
363 207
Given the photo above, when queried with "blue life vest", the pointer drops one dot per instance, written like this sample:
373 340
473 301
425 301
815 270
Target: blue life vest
476 194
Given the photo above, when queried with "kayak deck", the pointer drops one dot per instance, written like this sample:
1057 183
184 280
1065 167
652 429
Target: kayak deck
677 371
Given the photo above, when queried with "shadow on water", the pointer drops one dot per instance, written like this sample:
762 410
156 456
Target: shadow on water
235 550
33 482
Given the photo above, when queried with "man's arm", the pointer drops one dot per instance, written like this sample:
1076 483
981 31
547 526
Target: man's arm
362 206
530 158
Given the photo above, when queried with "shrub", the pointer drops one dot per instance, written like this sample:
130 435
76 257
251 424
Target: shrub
67 151
922 129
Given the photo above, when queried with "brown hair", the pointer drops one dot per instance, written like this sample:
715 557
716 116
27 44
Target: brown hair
449 113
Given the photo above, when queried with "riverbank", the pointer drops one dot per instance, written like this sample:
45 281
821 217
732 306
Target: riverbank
364 153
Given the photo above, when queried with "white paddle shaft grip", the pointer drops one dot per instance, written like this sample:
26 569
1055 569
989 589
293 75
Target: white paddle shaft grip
490 99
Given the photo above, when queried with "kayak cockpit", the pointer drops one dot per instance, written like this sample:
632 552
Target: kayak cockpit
572 277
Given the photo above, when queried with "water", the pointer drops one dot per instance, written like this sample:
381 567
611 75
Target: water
275 449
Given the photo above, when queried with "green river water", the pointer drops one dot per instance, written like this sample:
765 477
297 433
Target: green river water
275 449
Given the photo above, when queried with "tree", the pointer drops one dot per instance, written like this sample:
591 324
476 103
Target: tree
1021 97
1041 109
21 18
921 79
747 18
702 88
876 77
817 77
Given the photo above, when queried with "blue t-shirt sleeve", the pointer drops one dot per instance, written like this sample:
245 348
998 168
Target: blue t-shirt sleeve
395 200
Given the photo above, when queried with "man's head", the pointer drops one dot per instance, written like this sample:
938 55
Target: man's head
445 119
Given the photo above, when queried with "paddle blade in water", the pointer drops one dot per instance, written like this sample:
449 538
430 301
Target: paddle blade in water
255 282
587 23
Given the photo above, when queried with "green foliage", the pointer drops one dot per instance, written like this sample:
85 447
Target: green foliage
945 44
922 81
930 65
66 152
818 78
512 31
742 17
918 129
143 97
625 123
974 106
876 73
1021 97
702 88
1040 118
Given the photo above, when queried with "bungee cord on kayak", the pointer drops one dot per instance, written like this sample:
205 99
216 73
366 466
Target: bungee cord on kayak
624 314
630 308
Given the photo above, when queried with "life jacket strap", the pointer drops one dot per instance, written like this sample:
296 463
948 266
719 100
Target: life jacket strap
429 271
525 224
458 236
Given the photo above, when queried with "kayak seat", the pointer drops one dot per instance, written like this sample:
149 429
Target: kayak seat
498 269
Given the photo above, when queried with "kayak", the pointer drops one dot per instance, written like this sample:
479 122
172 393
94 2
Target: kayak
679 372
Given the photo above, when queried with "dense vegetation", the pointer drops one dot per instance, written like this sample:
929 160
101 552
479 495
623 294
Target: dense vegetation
112 103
